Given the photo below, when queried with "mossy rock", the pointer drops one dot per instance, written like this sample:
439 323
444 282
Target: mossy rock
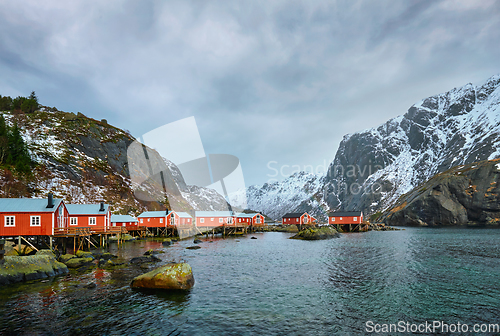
169 277
65 257
84 254
127 237
78 262
24 268
324 232
46 252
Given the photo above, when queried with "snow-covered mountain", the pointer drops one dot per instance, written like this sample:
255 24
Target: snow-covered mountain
296 193
373 168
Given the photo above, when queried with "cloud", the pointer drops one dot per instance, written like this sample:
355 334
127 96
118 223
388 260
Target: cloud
281 80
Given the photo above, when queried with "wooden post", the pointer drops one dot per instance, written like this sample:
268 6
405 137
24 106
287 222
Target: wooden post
74 244
19 245
50 243
2 251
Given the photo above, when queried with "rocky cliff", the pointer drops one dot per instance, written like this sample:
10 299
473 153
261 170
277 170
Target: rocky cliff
373 168
464 195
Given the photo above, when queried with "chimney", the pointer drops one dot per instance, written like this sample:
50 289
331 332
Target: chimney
102 207
50 201
166 212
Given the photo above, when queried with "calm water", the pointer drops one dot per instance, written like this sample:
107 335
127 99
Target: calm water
277 286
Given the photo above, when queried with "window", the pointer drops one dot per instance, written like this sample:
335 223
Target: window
188 220
34 220
92 221
340 218
73 221
149 219
212 219
142 221
202 220
257 220
239 220
333 219
229 220
355 218
161 220
10 221
220 220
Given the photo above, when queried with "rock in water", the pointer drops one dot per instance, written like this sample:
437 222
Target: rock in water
197 241
324 232
253 238
26 268
169 277
195 247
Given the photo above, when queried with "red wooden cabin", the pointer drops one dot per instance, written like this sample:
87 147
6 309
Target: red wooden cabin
179 219
152 219
298 218
32 216
213 219
94 216
340 218
129 222
251 219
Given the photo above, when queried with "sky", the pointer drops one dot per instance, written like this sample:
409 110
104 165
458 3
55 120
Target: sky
275 83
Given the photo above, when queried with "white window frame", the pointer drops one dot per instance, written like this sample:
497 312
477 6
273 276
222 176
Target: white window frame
355 218
9 221
333 219
188 220
92 219
257 220
230 220
142 221
37 219
161 220
75 221
221 220
340 218
202 220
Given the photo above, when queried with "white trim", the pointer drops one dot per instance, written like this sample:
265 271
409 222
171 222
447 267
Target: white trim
92 219
9 219
76 221
221 220
36 219
202 220
355 218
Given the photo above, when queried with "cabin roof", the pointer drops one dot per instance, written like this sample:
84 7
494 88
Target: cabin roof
345 214
86 209
122 218
183 214
149 214
293 215
27 205
249 215
214 213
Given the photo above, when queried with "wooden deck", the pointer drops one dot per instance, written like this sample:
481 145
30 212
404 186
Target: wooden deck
88 231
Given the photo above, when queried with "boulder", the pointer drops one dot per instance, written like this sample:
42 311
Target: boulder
253 238
168 277
78 262
144 259
46 252
167 243
195 247
127 237
65 257
152 252
24 268
197 241
84 254
324 232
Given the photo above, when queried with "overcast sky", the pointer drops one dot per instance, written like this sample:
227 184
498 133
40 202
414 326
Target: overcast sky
267 81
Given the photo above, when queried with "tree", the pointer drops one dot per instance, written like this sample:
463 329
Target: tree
4 141
5 103
18 153
30 104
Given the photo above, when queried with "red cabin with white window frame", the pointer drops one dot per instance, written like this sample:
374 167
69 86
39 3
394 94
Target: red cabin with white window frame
353 217
213 219
32 216
179 219
152 219
94 216
298 218
250 219
126 221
